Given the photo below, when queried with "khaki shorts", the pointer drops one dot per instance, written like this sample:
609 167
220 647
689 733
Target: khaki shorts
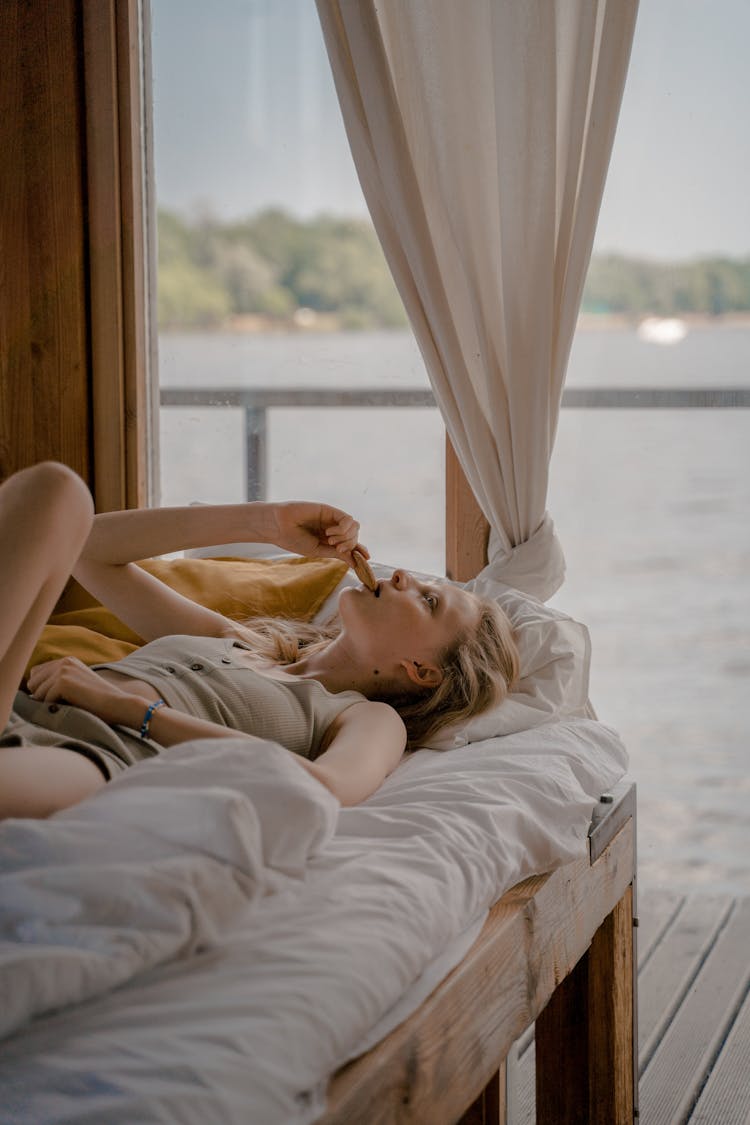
112 749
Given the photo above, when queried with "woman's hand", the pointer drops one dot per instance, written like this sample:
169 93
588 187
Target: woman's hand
69 680
316 529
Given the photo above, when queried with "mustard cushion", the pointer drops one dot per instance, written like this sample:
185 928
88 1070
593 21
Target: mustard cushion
239 588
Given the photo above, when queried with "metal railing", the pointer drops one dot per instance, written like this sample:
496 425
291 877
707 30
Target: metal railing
257 401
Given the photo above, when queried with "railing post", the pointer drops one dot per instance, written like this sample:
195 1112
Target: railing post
255 453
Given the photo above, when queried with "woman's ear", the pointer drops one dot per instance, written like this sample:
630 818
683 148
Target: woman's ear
423 675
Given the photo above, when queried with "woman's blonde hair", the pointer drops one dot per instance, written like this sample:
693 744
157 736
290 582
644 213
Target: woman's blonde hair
479 668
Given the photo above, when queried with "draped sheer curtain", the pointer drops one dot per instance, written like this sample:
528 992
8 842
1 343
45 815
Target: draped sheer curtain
481 133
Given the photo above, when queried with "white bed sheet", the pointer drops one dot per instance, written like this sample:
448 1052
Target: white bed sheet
250 961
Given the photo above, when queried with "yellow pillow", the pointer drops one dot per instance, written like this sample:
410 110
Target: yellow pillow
239 588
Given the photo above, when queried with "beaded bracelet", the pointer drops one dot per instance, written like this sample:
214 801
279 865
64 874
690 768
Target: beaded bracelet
149 714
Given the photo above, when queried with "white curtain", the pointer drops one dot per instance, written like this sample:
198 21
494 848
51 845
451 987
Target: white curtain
481 131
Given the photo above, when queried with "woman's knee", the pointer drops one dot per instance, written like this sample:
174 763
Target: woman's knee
57 495
64 487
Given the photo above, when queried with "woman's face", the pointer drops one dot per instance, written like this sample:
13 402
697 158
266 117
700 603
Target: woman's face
406 622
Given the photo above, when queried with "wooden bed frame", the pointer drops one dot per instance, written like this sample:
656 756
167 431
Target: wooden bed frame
557 950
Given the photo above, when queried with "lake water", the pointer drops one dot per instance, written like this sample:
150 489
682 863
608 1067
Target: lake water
652 508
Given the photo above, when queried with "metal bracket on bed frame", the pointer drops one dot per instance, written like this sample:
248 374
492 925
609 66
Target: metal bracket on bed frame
613 810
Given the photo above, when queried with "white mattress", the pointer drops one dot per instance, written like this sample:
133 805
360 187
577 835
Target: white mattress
223 936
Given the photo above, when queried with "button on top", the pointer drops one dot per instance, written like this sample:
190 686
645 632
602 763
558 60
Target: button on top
169 669
53 708
196 667
225 660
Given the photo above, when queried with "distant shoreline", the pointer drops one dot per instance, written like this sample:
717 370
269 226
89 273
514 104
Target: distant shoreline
327 324
606 322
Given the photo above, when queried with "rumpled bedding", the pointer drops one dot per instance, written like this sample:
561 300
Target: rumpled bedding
211 936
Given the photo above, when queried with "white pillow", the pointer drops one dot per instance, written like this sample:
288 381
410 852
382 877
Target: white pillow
554 651
555 659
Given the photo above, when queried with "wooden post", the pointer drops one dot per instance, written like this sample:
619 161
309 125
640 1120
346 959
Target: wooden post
490 1107
466 536
611 1031
123 410
466 529
585 1035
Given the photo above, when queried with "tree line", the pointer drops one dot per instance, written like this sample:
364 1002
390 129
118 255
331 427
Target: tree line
636 288
275 270
271 267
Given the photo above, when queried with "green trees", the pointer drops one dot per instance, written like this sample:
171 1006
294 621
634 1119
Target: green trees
271 266
709 287
274 270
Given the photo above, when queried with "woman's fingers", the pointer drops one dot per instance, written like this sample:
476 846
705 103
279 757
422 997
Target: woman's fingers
38 675
343 527
343 534
316 529
48 681
45 688
44 681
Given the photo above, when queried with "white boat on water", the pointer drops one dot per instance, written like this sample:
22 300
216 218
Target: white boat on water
662 330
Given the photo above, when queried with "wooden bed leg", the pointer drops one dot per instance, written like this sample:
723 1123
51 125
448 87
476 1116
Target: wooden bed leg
611 1045
489 1108
562 1088
585 1035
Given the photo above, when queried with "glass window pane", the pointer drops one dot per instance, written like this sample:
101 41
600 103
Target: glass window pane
271 277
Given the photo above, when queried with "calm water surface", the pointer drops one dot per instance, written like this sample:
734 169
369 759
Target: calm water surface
652 508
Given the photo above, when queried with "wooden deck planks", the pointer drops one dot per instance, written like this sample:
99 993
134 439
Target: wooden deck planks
694 993
668 974
656 915
726 1097
682 1062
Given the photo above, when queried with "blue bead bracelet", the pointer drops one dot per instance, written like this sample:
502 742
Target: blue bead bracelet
149 715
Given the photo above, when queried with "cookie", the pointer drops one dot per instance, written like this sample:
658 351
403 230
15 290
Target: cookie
363 570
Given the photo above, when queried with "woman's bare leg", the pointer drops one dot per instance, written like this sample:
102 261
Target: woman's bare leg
37 781
45 518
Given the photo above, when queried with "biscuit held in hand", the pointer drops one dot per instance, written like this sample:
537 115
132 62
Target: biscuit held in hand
363 570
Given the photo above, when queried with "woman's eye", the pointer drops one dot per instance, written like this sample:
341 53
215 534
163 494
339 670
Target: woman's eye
431 601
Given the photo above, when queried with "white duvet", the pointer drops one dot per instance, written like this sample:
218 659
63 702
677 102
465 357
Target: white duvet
210 936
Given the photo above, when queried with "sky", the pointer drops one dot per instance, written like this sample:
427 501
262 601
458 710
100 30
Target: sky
246 116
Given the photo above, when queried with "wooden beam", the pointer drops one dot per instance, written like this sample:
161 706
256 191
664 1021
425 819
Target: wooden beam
585 1036
611 1017
138 250
562 1050
105 254
466 529
489 1108
117 237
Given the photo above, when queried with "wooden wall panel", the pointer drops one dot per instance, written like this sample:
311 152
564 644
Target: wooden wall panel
44 396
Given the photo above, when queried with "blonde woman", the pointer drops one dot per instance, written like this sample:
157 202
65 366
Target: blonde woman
348 701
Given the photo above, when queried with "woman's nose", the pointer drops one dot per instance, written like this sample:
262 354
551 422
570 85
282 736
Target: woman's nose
400 579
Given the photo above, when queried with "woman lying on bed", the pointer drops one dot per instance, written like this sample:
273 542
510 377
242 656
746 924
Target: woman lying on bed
405 659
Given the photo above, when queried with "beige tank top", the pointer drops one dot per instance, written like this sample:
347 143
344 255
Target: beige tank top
204 677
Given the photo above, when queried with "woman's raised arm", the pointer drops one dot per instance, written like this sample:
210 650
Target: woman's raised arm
152 609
